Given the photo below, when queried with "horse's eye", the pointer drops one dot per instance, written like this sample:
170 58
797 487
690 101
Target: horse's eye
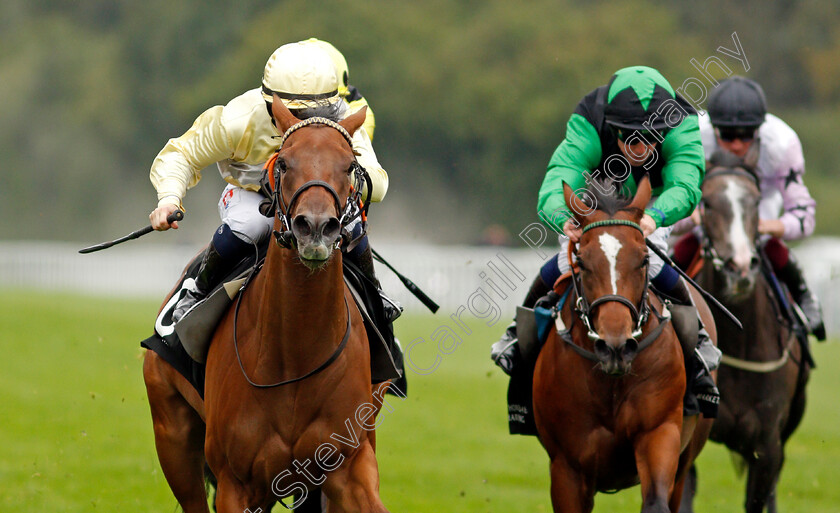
351 169
281 165
645 262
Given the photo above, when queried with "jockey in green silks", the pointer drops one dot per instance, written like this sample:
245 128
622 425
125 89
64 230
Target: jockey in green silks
633 126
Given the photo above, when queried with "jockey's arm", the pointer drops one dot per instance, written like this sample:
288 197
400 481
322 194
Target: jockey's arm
798 220
681 175
356 101
578 153
687 224
178 165
367 158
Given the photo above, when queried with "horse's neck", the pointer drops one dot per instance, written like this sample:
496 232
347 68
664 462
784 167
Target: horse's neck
302 312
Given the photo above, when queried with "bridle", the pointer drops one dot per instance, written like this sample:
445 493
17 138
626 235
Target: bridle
584 308
639 313
354 207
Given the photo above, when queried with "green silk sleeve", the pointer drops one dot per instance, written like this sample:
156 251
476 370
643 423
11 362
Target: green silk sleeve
579 152
682 175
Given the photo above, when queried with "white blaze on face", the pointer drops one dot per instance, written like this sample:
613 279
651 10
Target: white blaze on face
611 246
741 247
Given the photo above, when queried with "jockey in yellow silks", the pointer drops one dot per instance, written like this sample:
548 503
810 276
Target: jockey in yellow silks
311 79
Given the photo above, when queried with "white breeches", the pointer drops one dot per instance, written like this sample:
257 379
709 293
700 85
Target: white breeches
239 209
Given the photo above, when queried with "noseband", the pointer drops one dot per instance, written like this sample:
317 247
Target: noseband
584 309
353 206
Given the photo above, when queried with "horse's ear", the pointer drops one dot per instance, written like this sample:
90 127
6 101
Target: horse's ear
352 122
573 201
283 117
640 200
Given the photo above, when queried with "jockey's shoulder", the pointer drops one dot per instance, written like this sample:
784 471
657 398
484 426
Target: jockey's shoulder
246 114
245 105
775 133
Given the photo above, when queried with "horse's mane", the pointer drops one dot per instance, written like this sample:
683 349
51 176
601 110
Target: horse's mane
322 109
332 111
610 204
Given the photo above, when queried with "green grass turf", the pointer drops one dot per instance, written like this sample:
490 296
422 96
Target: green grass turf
75 430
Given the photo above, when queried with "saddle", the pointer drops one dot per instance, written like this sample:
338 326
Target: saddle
185 345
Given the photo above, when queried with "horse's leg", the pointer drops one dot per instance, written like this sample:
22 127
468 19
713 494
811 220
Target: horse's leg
685 487
771 501
657 457
232 497
354 486
570 493
179 436
689 491
763 473
312 504
685 484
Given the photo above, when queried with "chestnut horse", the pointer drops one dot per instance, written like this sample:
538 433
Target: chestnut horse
608 392
763 374
288 369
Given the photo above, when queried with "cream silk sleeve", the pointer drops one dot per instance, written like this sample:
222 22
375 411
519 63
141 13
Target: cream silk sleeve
178 165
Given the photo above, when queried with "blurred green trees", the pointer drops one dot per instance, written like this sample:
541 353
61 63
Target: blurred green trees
471 97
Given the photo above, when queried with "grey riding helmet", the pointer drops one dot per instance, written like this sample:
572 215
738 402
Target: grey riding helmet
737 102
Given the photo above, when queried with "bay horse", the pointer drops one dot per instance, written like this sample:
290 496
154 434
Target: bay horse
763 374
608 392
288 369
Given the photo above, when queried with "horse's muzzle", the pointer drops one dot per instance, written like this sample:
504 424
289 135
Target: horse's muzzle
741 283
316 236
616 359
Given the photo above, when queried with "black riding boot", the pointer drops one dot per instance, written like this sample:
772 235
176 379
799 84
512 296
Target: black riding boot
224 251
701 356
791 275
364 260
505 352
209 274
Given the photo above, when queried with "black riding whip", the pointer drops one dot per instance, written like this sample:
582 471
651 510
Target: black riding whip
171 218
414 289
705 294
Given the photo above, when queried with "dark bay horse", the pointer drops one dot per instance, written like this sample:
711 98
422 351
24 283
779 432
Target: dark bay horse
288 401
763 375
608 395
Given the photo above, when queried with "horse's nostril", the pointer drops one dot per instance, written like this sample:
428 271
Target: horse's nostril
630 348
330 230
602 350
301 226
